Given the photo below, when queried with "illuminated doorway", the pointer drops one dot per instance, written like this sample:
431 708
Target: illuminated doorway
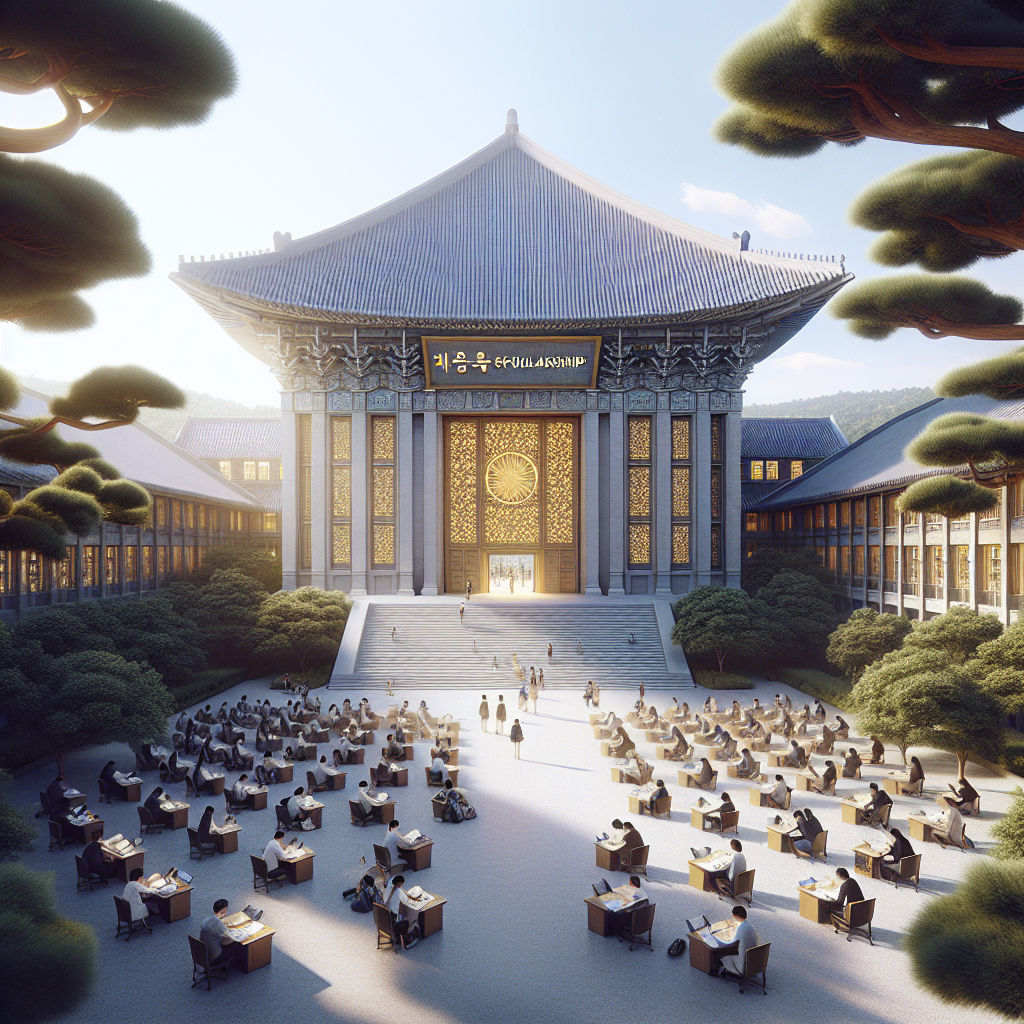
510 574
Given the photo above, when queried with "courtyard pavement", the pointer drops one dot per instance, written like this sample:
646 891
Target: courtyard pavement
515 944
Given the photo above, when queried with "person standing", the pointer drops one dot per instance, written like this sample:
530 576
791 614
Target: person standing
462 611
534 693
394 631
641 694
550 651
469 589
485 712
540 677
500 715
516 735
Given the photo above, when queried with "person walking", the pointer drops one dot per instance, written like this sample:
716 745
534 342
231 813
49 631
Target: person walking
540 677
533 675
549 651
516 735
534 693
462 611
394 630
494 664
469 589
499 716
485 712
522 698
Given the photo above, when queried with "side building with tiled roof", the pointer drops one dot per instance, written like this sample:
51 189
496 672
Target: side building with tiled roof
194 509
844 509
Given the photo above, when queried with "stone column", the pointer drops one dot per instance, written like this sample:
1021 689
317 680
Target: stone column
404 482
972 563
289 499
732 512
360 505
700 530
431 492
319 496
591 490
1004 555
662 510
617 499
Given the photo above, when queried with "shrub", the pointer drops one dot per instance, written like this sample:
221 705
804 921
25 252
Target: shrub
204 685
17 832
712 680
1012 757
1009 830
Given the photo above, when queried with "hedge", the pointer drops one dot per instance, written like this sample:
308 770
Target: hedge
711 679
832 690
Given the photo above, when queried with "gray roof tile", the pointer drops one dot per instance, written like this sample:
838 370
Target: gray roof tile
797 438
231 437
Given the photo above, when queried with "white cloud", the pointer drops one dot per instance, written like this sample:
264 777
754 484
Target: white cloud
769 218
800 361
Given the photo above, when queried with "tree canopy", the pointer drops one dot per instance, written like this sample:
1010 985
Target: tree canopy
763 565
864 638
1009 830
257 563
722 622
301 628
957 633
802 614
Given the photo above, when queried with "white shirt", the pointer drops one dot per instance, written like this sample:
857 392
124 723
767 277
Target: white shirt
747 938
294 807
133 894
778 794
393 844
737 866
437 765
320 774
240 791
272 853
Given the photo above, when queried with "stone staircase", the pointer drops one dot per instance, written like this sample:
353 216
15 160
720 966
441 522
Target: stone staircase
433 649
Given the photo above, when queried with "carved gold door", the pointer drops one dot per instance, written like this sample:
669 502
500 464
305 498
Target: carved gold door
511 489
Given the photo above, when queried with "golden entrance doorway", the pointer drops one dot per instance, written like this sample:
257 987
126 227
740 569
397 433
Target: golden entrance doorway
511 507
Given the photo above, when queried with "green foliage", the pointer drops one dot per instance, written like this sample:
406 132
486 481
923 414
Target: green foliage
1012 755
960 437
256 563
80 478
832 690
967 948
117 393
720 622
63 232
880 307
802 614
300 629
1001 663
17 833
948 496
765 136
958 633
48 449
80 513
21 533
712 680
856 412
204 685
10 390
6 503
761 568
1001 378
54 316
910 204
164 66
102 467
226 613
1009 830
865 638
49 962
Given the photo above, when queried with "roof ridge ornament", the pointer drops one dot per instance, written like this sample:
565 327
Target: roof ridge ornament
511 122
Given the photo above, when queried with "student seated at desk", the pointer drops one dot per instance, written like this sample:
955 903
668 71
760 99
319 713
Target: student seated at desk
240 757
777 797
747 765
682 749
155 805
220 946
849 892
875 807
877 751
240 790
899 849
367 800
274 852
726 808
403 912
851 764
802 837
745 938
395 843
621 743
725 880
394 750
438 771
795 756
295 809
384 772
97 861
457 806
754 731
634 775
614 841
704 772
631 840
952 833
915 784
819 711
842 729
966 794
136 893
58 800
657 794
828 779
633 892
322 770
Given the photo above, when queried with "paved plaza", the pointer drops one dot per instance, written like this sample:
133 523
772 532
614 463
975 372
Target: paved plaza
515 944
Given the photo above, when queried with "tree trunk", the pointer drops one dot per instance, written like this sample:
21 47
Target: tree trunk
961 764
904 747
721 660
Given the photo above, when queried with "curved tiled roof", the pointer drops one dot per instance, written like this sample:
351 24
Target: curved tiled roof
513 234
805 437
231 437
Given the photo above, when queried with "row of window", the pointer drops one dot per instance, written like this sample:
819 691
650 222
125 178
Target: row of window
772 469
251 469
178 515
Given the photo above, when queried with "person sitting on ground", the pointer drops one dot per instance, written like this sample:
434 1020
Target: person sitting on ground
851 764
965 794
828 779
657 794
849 892
915 784
221 948
802 837
877 751
778 797
365 895
273 853
726 807
98 862
725 880
875 809
952 832
745 938
899 849
457 805
747 766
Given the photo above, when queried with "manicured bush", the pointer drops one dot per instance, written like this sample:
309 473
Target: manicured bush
1009 830
712 680
17 833
204 685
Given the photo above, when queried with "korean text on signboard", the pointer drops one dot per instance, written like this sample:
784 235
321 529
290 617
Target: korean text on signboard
511 362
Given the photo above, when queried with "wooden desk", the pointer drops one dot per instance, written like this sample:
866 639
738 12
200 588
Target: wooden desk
298 869
868 861
257 950
778 837
178 815
409 751
226 841
336 781
778 759
450 756
623 775
853 810
131 792
759 798
607 859
805 782
400 778
898 787
698 815
656 736
84 834
216 786
639 804
920 827
431 916
125 864
316 812
601 920
687 779
418 857
661 751
702 871
177 905
732 771
706 957
816 905
384 813
286 773
257 801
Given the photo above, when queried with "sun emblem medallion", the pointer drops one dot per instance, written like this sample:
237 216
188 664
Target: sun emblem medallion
511 478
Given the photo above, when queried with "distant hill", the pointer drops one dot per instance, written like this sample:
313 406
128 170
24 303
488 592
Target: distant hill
167 422
856 412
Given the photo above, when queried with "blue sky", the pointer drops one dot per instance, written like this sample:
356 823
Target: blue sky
342 106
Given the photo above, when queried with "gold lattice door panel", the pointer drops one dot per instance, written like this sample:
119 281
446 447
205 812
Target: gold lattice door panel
511 487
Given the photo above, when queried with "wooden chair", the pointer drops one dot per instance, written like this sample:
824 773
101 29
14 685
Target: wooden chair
106 793
741 889
87 880
754 963
358 815
382 855
147 822
142 764
430 783
284 819
818 847
974 807
437 806
856 920
662 807
711 785
261 875
636 864
124 919
312 786
197 846
201 963
637 926
909 872
829 790
56 836
730 822
386 937
232 805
